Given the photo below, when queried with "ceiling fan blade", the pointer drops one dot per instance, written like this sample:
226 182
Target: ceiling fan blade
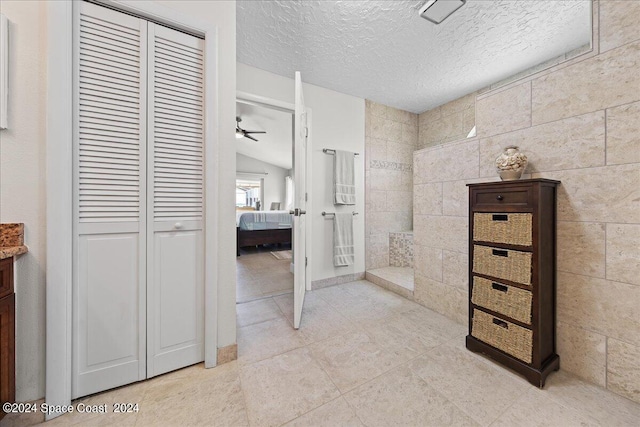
254 131
250 137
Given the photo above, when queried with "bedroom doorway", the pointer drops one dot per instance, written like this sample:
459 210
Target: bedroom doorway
264 196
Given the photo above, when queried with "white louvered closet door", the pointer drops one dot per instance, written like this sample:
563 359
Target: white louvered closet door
175 269
138 303
110 209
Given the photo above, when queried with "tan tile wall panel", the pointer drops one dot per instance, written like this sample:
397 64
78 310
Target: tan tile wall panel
490 116
455 268
623 369
391 139
432 269
619 23
623 133
551 146
584 130
581 248
427 199
604 81
583 352
623 253
603 306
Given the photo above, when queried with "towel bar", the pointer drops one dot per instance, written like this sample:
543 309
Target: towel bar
332 151
333 213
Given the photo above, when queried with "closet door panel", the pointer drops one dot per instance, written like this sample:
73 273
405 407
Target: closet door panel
108 317
175 197
109 310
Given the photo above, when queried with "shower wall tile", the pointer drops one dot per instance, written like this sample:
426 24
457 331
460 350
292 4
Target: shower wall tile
399 201
432 269
604 81
391 140
427 199
619 23
603 306
504 111
623 369
623 253
551 146
623 134
581 248
444 299
583 352
445 232
401 249
455 269
603 194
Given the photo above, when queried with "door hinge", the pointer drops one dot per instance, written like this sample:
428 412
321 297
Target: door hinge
306 197
306 261
306 132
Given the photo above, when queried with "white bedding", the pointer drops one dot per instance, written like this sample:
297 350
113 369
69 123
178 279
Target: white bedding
263 220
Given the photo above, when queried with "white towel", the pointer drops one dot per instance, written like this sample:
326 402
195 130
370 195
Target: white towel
343 251
344 183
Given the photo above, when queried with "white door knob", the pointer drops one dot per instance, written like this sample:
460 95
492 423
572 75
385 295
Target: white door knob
177 225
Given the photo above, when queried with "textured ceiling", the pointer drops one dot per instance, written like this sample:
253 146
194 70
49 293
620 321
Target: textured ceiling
383 51
276 146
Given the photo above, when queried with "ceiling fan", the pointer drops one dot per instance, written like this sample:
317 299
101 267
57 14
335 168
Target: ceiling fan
241 133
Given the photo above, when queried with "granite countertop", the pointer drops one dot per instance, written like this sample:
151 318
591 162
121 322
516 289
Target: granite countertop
12 240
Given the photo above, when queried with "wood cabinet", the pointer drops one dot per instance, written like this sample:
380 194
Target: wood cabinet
512 275
7 333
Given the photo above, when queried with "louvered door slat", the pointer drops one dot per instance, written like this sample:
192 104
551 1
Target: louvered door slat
177 129
110 128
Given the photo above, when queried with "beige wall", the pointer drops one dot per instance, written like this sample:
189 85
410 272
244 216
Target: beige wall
391 136
22 183
578 123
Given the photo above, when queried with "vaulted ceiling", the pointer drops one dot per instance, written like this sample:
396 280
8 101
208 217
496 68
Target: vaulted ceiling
383 51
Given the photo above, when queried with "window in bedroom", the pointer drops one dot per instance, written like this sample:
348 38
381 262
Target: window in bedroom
249 193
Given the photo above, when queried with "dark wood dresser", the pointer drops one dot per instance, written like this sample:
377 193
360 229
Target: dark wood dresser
7 333
512 275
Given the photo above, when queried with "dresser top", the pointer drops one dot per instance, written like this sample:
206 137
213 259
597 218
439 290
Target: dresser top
516 181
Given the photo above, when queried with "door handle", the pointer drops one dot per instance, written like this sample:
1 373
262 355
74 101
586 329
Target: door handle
177 225
301 212
297 212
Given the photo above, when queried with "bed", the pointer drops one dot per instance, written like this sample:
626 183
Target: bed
262 227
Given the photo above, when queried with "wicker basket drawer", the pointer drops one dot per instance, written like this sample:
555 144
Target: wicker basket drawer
514 229
504 299
506 336
502 263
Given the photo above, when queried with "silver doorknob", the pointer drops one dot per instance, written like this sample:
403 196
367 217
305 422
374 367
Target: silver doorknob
297 212
302 212
177 225
292 212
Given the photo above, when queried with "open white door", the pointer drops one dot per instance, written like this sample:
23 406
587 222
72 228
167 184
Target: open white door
301 132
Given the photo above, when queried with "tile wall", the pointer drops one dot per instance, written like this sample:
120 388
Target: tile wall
401 249
449 122
391 137
578 123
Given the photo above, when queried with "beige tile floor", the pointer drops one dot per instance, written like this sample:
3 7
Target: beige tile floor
261 275
363 356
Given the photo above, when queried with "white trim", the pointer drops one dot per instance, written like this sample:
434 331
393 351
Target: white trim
59 203
60 184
